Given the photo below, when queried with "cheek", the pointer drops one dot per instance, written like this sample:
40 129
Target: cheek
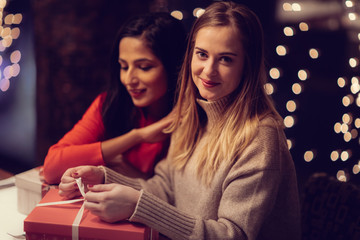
194 66
121 76
160 85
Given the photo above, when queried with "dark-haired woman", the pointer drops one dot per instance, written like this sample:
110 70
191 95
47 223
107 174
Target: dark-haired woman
122 129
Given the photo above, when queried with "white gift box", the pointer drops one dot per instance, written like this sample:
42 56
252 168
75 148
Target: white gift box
30 189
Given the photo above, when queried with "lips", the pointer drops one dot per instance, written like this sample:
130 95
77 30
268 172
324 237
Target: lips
209 84
136 92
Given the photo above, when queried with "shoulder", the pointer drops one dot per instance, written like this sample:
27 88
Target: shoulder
268 147
98 101
270 128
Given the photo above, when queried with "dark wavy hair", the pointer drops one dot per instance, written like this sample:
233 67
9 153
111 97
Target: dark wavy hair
166 37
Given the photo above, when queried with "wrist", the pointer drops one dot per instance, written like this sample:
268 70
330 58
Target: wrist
103 172
135 199
137 135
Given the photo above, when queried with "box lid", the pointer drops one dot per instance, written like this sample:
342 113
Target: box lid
58 220
29 180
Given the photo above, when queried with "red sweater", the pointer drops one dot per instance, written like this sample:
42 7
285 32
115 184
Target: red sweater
81 146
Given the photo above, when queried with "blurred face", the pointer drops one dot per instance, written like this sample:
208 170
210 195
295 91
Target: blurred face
141 72
217 62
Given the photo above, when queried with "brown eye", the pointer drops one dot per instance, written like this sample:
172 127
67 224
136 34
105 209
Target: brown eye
226 59
145 68
201 55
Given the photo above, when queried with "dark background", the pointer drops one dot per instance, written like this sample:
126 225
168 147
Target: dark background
66 46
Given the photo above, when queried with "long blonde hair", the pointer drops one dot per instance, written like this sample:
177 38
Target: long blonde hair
248 104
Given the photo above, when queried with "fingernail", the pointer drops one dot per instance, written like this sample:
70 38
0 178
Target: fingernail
75 173
90 185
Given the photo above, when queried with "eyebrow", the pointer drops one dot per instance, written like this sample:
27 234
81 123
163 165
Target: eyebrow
138 60
223 53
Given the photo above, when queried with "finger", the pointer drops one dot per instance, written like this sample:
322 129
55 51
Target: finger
87 171
97 193
67 179
68 186
97 210
92 206
100 187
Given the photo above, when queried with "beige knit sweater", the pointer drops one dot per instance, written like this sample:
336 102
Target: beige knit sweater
255 198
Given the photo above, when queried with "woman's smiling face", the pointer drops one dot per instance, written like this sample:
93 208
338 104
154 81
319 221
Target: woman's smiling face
217 62
141 72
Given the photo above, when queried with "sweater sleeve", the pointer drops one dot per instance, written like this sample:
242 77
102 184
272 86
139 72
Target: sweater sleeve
250 201
80 146
159 184
258 195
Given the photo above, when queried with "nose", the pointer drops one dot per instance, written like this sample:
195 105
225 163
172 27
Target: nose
210 67
129 77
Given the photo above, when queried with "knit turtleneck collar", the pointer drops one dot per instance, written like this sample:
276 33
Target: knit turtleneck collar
213 109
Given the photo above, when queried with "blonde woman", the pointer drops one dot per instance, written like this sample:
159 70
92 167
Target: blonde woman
228 174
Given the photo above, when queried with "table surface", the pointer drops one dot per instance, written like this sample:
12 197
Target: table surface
11 221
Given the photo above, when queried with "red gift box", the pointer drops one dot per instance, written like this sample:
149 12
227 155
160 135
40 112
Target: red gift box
55 222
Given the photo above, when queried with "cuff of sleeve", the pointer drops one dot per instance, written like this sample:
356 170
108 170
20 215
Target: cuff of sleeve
114 177
104 171
162 216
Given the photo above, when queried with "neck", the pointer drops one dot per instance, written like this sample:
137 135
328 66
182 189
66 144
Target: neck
214 109
159 109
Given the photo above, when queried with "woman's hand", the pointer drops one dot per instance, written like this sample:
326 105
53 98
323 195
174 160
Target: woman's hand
89 175
111 202
154 132
112 148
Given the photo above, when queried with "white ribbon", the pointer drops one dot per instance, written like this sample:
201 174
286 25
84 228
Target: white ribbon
77 220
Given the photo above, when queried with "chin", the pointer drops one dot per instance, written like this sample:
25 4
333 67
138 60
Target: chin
209 97
140 104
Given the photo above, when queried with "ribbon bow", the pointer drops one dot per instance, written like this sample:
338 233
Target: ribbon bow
77 220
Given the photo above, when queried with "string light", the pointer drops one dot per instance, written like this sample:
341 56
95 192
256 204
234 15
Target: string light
275 73
349 3
356 169
289 143
287 7
297 88
341 176
289 31
269 88
345 155
9 33
357 123
296 7
314 53
352 16
347 136
303 26
341 82
347 100
344 128
309 156
334 155
347 127
289 121
337 127
198 12
303 74
281 50
353 62
177 14
347 118
291 106
354 133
